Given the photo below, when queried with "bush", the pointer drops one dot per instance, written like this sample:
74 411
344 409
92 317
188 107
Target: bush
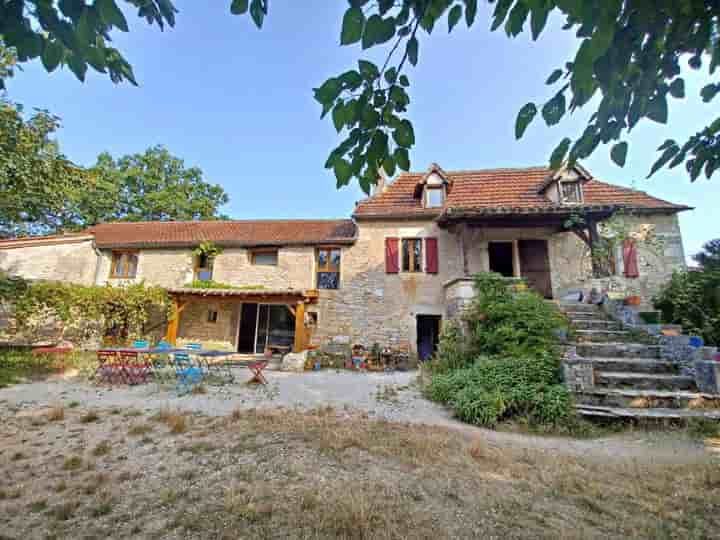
692 299
507 364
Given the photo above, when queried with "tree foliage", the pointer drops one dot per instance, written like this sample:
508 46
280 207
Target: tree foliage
36 180
150 186
709 257
630 56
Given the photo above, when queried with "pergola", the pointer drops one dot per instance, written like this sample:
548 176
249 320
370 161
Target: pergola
295 300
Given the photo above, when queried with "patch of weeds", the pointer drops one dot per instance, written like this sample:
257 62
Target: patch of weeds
72 463
132 413
94 483
198 447
60 486
188 474
103 508
169 496
115 410
177 421
102 449
73 404
199 389
12 493
704 428
18 456
387 393
64 511
38 506
139 429
56 414
89 417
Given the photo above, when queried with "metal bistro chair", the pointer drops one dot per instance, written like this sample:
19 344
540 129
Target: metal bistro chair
188 375
163 370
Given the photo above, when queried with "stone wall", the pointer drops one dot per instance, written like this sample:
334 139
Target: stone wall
195 326
74 261
372 306
572 268
163 267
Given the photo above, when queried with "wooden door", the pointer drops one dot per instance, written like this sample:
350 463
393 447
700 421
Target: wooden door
535 265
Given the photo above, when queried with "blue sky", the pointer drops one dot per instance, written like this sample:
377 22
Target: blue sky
237 102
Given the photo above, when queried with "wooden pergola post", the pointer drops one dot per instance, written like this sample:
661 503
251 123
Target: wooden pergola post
300 340
174 323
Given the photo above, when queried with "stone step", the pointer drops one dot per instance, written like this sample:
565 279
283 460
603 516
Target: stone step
583 315
646 399
601 335
591 349
635 365
595 324
643 381
577 307
658 413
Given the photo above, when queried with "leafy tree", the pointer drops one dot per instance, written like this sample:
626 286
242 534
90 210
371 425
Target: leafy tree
149 186
630 56
36 180
709 257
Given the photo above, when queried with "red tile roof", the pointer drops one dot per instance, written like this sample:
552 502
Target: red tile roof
224 233
497 190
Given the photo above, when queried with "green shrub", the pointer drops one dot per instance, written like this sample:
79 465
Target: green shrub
507 363
692 299
16 365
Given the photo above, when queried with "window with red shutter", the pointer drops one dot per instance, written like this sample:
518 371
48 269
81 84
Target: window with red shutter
431 254
391 256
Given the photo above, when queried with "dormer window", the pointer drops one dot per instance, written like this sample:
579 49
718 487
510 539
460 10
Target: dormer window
434 196
570 192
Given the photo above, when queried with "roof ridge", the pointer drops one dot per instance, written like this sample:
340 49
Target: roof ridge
488 170
223 221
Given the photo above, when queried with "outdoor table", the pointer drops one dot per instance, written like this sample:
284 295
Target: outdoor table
222 369
123 364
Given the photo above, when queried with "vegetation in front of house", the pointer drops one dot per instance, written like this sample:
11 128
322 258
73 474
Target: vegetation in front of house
210 284
19 365
508 364
84 309
692 299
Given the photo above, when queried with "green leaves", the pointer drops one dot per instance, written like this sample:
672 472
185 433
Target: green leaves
558 155
412 50
352 26
554 109
554 77
404 135
52 55
111 14
677 88
657 109
525 116
709 92
239 7
454 17
470 12
619 153
377 31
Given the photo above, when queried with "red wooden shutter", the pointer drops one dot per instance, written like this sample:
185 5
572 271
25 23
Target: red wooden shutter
630 259
391 256
431 249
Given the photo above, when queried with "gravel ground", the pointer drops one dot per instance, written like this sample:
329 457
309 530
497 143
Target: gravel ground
389 396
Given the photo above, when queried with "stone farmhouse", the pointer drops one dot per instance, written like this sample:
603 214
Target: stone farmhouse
388 275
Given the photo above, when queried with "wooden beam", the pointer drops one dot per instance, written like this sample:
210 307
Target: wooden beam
174 323
290 309
517 271
300 341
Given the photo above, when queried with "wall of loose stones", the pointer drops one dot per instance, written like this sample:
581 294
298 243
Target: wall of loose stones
73 261
572 268
372 306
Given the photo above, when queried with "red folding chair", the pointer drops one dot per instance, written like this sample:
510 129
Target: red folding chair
104 371
257 370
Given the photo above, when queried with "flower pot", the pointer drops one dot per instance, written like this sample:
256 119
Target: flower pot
632 300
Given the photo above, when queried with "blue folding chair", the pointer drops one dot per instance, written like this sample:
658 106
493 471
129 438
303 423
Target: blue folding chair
163 369
193 347
188 375
141 344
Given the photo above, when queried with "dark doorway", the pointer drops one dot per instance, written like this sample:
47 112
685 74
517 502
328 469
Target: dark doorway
248 324
501 258
535 265
428 335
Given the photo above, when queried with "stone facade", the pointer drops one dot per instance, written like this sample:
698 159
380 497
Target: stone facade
370 306
72 260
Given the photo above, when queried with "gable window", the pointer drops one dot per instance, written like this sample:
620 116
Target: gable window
264 257
434 196
570 193
124 264
204 268
328 268
412 255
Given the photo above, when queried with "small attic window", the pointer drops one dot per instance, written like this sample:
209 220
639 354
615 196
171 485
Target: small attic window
570 192
434 196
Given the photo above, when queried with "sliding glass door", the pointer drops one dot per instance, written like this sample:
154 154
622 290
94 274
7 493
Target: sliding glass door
275 327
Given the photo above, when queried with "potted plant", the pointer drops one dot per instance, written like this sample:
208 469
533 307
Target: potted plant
632 298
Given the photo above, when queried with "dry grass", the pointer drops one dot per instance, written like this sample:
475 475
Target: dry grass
330 474
102 449
56 414
138 430
176 420
89 417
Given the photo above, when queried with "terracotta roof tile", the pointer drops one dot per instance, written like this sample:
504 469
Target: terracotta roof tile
492 189
224 233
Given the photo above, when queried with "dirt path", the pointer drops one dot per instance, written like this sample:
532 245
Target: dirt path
393 397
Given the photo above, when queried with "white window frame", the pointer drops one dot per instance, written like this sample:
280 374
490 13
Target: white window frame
428 189
561 198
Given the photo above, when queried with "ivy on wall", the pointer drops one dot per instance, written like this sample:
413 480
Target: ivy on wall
125 310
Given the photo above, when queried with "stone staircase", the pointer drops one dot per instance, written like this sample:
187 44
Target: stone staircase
629 376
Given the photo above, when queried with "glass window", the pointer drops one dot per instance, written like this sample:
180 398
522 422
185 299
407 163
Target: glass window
570 192
265 258
434 197
328 268
204 269
124 264
212 316
412 255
